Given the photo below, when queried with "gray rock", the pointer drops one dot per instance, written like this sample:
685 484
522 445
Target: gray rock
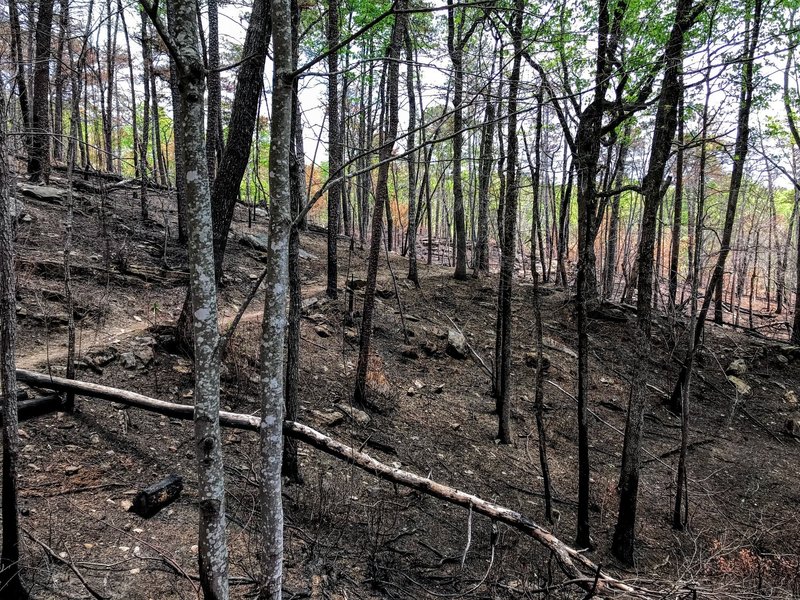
790 397
128 360
359 416
255 241
737 367
409 352
329 418
145 354
742 387
44 193
456 344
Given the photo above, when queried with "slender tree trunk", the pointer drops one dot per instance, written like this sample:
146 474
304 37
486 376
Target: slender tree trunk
291 466
481 258
411 229
39 154
388 138
509 231
677 212
212 544
741 147
335 148
20 75
653 187
214 116
10 581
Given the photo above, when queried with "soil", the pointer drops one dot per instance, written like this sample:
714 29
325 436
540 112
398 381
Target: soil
349 534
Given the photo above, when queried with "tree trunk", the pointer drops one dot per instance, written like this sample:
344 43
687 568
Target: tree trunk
334 148
411 228
274 322
653 185
9 559
508 238
388 138
39 154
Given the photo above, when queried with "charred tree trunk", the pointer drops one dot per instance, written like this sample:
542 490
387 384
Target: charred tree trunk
39 153
334 147
388 138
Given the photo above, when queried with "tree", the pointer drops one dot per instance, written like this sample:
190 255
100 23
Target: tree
509 236
274 321
334 146
457 39
39 151
653 189
388 133
212 544
10 581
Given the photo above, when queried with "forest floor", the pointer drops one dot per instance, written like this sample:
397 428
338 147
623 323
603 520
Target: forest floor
348 534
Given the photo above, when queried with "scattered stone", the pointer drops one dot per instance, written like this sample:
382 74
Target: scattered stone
146 355
255 241
103 357
25 218
44 193
329 418
261 212
316 318
323 331
456 344
532 360
792 427
71 470
384 293
741 386
351 335
145 340
430 347
738 367
94 439
307 303
409 352
359 416
790 397
22 312
128 360
438 389
303 255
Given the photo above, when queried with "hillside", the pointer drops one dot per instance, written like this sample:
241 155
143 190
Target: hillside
349 534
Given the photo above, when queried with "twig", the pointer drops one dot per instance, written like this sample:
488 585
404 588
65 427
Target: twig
67 563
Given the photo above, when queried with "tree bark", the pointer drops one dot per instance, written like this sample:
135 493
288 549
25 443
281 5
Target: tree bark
334 148
10 581
39 153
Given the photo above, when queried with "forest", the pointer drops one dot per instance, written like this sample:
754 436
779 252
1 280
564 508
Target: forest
399 299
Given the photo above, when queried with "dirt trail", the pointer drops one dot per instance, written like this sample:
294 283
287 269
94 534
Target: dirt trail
128 329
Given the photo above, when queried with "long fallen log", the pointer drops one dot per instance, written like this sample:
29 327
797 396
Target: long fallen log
573 563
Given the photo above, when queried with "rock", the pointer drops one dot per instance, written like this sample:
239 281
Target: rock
103 357
351 335
456 345
742 388
384 293
261 212
790 397
71 470
531 360
737 367
409 352
145 340
128 360
25 218
255 241
329 418
145 354
359 416
307 303
44 193
303 255
323 331
792 427
430 348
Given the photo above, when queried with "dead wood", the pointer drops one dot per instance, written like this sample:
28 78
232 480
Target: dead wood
572 562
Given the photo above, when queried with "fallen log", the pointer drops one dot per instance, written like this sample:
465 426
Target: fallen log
36 407
573 563
148 502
